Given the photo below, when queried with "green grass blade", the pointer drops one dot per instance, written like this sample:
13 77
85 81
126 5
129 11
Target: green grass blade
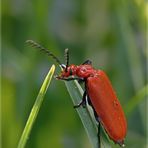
134 101
35 108
88 121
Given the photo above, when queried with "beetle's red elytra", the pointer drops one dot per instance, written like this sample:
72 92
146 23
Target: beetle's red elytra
99 94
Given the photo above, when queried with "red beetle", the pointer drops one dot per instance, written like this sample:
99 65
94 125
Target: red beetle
99 94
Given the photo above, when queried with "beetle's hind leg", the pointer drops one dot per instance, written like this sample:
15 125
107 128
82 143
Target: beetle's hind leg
95 113
99 128
83 102
99 132
98 120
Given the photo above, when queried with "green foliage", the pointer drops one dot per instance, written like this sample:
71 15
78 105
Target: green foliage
35 109
109 33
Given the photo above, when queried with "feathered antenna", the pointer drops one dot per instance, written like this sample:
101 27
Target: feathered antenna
36 45
66 58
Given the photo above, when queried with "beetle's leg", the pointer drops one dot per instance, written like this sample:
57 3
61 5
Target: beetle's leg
99 138
96 116
70 79
97 119
83 102
95 113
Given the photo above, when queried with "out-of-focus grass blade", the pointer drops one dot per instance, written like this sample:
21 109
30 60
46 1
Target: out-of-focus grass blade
35 108
89 123
133 102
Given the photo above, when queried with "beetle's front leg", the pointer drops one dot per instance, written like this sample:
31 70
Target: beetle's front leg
83 102
69 79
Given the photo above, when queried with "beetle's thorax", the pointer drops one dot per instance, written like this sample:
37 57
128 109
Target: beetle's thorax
81 71
85 71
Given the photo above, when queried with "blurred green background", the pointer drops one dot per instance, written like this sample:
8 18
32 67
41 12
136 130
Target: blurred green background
111 33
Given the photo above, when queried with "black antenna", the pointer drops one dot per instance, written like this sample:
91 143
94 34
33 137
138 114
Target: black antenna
36 45
66 58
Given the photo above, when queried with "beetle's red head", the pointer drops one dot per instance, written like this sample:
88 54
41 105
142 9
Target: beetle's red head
67 71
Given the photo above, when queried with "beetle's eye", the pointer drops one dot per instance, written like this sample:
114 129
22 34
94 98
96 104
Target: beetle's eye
70 72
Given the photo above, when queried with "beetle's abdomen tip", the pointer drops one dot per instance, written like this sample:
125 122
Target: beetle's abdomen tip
121 143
